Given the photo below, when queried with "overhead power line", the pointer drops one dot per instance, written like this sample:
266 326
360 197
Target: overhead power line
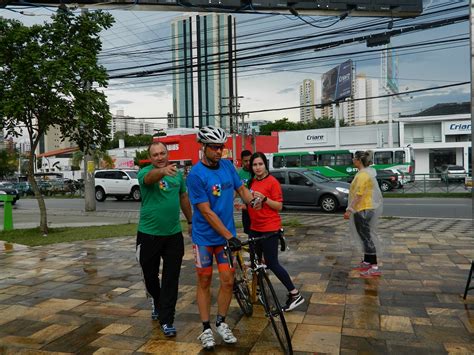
316 47
324 105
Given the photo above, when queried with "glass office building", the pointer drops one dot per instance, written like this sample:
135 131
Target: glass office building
204 72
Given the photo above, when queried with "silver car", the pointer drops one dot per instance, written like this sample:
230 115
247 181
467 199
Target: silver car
303 187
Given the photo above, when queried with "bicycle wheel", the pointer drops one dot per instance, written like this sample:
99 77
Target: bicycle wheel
274 312
241 288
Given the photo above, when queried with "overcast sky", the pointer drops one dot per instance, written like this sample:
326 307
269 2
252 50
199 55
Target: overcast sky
277 85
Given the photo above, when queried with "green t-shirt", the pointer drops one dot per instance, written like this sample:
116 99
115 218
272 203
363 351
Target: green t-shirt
160 208
244 176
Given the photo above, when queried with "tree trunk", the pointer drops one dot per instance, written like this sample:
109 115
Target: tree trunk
89 185
38 196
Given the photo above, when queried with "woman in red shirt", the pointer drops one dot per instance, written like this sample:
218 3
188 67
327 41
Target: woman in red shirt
267 221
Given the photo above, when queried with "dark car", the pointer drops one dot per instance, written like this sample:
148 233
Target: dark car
303 187
387 180
24 188
8 189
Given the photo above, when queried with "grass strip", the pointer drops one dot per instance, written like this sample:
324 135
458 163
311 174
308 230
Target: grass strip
33 236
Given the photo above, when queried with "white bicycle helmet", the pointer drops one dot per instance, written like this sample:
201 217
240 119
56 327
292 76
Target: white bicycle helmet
211 135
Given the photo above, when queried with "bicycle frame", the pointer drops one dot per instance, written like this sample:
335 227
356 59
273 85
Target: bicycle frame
268 297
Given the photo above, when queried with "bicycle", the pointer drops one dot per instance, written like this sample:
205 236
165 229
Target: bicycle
267 295
242 285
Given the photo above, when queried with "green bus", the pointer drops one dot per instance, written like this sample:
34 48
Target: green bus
337 164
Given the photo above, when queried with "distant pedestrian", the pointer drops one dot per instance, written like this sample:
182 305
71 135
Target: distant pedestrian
159 235
365 207
267 221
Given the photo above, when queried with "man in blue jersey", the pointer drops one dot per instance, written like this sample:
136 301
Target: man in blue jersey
211 185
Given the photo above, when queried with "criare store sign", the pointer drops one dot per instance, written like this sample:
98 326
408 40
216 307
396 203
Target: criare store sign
457 127
315 138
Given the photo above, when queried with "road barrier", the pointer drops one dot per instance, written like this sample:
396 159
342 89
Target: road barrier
435 183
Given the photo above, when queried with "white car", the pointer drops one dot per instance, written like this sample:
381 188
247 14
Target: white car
118 183
452 173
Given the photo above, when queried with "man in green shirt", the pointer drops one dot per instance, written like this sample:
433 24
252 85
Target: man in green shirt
244 174
159 234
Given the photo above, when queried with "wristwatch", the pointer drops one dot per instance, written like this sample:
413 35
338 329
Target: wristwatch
265 199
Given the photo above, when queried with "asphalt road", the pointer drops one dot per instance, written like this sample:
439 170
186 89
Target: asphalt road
402 207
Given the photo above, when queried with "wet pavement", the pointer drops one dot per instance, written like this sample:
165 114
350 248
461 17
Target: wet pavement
87 297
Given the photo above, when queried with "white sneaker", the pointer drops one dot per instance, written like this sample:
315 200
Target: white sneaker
226 334
207 339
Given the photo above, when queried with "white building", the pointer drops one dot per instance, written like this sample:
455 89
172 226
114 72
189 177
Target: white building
252 126
436 140
130 125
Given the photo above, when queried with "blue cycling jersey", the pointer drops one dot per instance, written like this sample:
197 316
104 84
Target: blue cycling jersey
216 186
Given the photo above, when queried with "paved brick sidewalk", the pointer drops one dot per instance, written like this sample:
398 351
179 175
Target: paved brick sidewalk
87 297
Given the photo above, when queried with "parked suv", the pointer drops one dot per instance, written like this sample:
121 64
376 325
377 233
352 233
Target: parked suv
303 187
452 173
117 183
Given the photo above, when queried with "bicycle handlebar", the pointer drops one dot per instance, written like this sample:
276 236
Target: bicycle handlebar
253 240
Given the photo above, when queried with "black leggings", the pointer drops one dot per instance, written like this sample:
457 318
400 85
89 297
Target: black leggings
269 248
150 250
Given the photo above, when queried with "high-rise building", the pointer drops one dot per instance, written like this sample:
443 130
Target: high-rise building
53 140
203 79
307 95
373 108
130 125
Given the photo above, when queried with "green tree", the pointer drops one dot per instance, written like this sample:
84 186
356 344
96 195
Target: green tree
101 159
8 163
285 125
140 155
138 140
50 76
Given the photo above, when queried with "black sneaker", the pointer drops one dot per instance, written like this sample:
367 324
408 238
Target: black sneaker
154 314
293 301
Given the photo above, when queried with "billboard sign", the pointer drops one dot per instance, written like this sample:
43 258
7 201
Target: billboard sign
337 83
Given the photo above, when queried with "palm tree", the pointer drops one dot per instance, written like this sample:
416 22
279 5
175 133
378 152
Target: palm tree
98 157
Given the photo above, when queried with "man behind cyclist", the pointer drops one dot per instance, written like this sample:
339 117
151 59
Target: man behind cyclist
211 185
244 174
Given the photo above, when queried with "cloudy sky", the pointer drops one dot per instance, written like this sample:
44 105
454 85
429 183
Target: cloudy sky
143 37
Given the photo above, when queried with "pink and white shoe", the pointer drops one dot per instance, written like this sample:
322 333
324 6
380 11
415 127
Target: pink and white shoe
363 266
372 272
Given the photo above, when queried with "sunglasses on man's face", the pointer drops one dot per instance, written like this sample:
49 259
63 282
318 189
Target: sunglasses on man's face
216 147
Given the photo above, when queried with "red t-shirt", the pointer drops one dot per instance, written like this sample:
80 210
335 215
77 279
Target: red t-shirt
266 219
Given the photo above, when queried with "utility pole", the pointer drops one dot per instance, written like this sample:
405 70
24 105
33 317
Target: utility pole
336 121
89 183
390 123
243 129
254 142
